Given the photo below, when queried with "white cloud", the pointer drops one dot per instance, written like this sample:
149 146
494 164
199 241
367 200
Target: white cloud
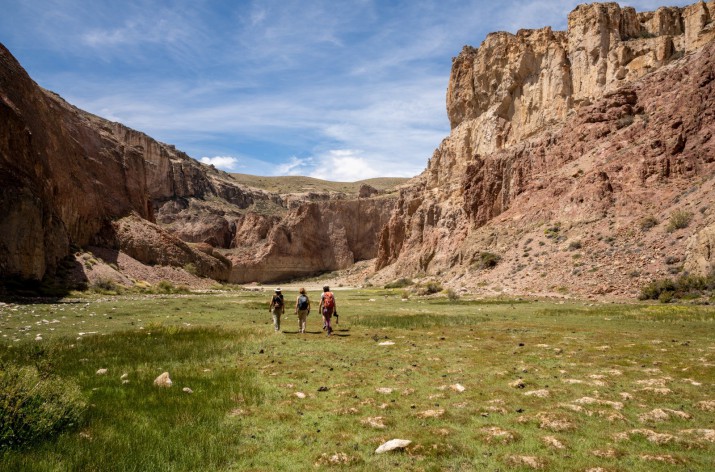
227 163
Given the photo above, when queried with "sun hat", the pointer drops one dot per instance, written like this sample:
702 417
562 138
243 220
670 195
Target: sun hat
278 289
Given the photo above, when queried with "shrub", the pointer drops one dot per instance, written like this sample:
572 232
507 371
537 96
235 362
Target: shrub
665 297
32 407
399 283
679 219
685 286
191 268
574 245
106 286
452 295
168 287
624 121
487 260
648 222
552 232
430 288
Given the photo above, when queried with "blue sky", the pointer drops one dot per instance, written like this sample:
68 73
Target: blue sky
340 90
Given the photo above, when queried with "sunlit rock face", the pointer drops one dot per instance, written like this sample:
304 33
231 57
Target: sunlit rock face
70 179
599 125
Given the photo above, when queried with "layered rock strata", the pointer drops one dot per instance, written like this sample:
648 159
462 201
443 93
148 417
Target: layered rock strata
72 179
602 123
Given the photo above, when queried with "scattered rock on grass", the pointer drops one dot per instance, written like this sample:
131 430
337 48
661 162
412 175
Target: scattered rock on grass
187 390
102 372
299 394
386 343
542 393
458 387
519 383
393 444
163 380
385 390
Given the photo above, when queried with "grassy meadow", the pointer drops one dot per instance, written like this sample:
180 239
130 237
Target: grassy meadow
474 384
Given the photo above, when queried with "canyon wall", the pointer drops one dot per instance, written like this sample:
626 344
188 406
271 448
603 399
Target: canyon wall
601 124
69 179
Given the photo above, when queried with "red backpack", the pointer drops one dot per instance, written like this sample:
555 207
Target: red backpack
328 300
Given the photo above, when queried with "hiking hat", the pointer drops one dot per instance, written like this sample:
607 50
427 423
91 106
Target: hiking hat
278 289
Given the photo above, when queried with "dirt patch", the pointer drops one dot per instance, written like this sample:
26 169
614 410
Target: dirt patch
375 422
528 461
707 405
651 436
431 413
494 434
553 442
666 458
662 414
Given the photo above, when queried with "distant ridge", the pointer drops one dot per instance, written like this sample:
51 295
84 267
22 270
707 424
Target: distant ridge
299 184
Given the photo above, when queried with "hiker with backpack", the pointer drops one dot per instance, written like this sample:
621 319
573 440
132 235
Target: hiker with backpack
277 307
327 308
302 308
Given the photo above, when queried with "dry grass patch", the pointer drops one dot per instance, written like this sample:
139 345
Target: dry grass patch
649 435
706 405
665 458
554 422
377 422
662 414
701 435
528 461
553 442
605 453
338 458
495 434
431 413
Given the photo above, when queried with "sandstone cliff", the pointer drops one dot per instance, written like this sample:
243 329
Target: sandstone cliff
71 179
561 143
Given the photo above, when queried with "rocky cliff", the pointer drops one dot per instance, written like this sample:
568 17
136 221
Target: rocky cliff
69 179
561 144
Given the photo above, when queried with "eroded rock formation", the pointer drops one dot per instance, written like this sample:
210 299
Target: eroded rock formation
72 179
593 128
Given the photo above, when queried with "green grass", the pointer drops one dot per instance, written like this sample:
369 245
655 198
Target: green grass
244 414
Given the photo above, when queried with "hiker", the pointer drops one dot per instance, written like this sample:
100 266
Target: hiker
277 307
302 308
327 308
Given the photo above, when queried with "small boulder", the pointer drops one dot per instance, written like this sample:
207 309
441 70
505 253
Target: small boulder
102 371
393 444
187 390
163 380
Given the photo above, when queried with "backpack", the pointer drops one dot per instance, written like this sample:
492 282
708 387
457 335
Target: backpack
328 300
277 301
302 302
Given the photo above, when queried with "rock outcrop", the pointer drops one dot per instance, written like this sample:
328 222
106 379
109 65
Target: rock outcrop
594 129
71 179
310 239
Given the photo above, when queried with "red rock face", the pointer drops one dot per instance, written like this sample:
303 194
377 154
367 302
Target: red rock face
623 151
312 238
71 178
